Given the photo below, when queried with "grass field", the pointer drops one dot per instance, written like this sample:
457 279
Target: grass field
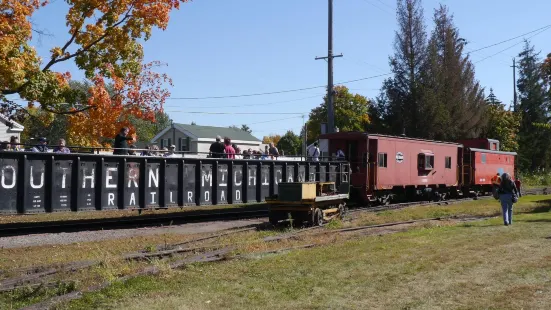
472 265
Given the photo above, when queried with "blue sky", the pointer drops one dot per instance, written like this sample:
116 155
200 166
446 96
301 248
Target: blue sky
219 48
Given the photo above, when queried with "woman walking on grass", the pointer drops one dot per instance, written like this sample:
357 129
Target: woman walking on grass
508 195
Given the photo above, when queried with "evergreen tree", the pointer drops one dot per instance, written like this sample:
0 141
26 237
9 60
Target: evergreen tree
453 99
400 105
534 140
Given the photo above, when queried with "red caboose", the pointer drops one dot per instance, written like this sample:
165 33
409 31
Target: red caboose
482 161
383 167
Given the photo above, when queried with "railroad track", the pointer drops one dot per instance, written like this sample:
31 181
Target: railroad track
155 220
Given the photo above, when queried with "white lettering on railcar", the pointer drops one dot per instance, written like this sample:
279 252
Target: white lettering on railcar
109 177
276 179
90 177
111 199
190 196
13 178
206 177
222 196
223 179
41 179
64 178
154 177
207 196
153 197
265 176
238 195
132 199
252 176
235 178
171 200
133 174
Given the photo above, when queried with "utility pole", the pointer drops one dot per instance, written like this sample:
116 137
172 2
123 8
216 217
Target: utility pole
514 66
329 58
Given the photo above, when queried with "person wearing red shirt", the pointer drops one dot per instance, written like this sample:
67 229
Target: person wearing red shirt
228 149
518 185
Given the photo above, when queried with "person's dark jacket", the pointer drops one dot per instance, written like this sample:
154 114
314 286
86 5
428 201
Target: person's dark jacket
121 145
508 187
217 150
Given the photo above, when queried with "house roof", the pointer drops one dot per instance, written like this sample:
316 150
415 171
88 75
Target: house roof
209 132
15 126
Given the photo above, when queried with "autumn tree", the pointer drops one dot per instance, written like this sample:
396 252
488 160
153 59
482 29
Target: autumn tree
503 125
113 107
272 138
104 40
351 113
290 143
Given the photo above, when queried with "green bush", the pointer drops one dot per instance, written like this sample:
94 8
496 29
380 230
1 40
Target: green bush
531 179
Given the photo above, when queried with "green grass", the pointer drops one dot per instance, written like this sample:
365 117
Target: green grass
476 265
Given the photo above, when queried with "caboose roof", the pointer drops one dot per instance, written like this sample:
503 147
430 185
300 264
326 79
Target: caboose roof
493 152
357 134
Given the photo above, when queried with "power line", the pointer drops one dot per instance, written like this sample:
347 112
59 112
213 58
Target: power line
254 104
275 120
510 47
277 92
237 113
386 4
375 6
508 40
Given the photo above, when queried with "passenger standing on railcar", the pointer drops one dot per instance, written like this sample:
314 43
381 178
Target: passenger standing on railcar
121 142
228 149
217 148
315 152
508 195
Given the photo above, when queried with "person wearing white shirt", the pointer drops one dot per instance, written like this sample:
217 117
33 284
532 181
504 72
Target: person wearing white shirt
315 152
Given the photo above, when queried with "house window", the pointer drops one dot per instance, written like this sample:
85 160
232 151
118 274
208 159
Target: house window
483 158
382 160
169 142
183 144
448 162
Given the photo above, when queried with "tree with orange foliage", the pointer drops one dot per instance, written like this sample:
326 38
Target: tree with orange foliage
139 96
104 40
271 139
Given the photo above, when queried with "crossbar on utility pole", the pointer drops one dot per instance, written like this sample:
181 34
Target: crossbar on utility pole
329 58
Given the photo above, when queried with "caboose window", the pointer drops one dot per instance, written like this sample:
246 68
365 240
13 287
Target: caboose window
483 158
448 162
425 161
382 160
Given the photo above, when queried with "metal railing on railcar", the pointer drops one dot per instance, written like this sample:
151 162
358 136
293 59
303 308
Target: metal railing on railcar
33 182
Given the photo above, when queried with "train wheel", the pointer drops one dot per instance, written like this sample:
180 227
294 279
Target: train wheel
317 217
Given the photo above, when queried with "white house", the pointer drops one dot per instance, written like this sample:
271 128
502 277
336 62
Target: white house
9 128
197 139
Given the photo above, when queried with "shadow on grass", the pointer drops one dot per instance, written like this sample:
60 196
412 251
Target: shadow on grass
543 207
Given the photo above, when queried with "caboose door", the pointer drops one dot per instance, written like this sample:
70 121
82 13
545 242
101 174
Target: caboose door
358 162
